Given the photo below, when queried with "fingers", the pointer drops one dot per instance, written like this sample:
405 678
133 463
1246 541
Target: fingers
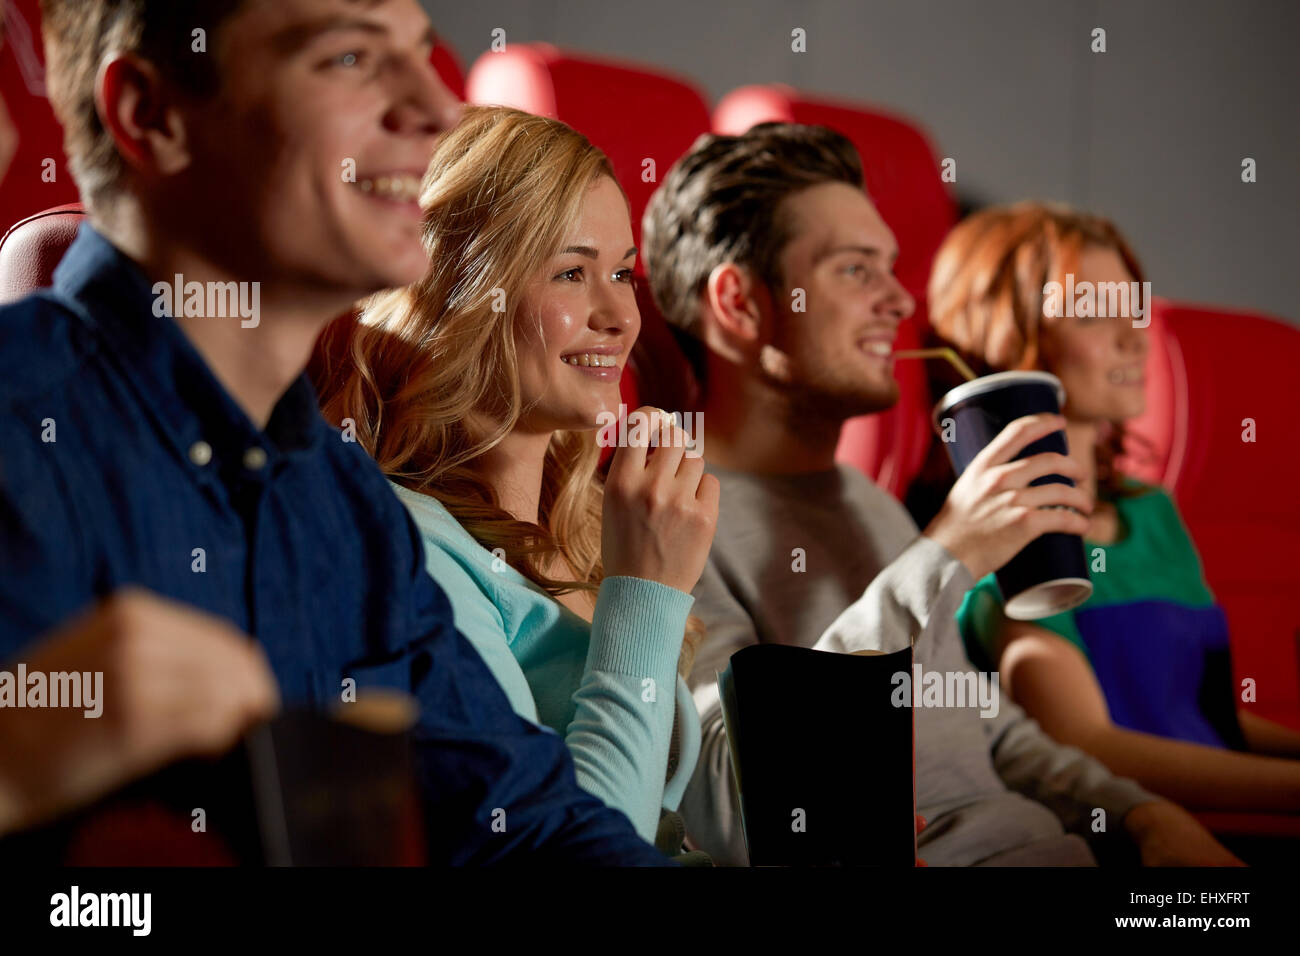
628 462
660 453
1024 471
631 459
1054 495
213 680
1013 439
667 457
1056 521
689 473
709 493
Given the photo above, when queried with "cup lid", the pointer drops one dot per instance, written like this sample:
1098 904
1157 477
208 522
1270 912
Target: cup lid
988 383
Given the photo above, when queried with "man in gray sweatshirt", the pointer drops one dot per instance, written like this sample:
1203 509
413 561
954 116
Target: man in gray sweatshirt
766 248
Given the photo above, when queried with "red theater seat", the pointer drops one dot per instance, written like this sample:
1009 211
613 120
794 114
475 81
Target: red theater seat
644 120
903 180
1211 373
636 114
31 249
26 116
447 63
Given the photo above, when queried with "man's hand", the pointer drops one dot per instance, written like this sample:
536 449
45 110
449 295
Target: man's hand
177 682
1167 835
992 511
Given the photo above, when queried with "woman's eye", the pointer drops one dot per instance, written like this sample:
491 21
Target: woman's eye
623 275
571 275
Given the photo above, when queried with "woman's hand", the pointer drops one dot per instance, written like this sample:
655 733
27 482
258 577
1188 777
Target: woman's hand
661 509
1167 835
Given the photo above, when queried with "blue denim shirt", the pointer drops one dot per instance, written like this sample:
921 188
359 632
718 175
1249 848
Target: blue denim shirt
121 456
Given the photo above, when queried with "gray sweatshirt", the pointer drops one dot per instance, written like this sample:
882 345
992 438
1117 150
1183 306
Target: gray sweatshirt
995 790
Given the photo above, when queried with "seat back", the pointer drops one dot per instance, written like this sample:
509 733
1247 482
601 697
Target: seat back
32 247
903 180
1157 437
642 118
447 63
1222 442
35 175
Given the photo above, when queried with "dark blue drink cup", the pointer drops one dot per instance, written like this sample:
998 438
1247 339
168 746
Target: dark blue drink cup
1050 574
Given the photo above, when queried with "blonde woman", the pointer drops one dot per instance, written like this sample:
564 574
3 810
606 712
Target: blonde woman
478 390
1139 676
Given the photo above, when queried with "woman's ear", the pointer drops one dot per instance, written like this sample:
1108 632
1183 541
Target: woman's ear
138 109
732 300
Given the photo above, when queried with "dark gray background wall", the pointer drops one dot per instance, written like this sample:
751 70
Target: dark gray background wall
1151 133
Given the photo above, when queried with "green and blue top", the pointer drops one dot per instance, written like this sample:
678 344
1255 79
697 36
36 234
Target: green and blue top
1156 639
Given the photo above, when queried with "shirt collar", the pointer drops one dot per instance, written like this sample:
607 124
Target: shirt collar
110 293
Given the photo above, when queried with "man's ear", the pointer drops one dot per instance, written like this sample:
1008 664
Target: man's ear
733 300
139 110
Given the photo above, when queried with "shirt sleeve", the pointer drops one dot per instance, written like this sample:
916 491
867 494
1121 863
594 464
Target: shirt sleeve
917 592
623 725
497 788
44 574
478 618
710 805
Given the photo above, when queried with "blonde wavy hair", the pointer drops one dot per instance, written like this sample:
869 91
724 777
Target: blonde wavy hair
430 373
986 292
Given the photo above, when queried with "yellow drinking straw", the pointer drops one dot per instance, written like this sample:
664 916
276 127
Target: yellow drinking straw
944 353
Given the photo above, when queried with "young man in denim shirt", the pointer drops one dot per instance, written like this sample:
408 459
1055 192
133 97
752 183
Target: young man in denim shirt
175 512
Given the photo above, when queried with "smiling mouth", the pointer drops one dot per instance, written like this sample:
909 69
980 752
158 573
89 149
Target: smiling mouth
877 348
1125 376
590 360
397 187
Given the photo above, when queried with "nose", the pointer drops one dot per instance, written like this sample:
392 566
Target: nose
1131 341
614 312
897 303
422 104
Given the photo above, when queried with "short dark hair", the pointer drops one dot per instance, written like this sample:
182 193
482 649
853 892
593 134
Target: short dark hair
719 203
78 35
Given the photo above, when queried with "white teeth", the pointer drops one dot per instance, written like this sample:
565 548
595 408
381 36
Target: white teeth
590 360
879 348
403 187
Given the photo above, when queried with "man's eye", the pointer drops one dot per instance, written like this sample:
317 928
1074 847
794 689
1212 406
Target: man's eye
856 269
349 59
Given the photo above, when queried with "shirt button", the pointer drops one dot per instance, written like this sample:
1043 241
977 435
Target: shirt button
255 459
200 453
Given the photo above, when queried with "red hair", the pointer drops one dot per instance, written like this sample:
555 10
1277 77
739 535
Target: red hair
986 291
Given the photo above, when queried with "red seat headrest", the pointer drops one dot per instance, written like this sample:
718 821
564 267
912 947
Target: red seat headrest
32 248
632 113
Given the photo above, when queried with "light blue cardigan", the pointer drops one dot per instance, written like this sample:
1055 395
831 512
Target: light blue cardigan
610 687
